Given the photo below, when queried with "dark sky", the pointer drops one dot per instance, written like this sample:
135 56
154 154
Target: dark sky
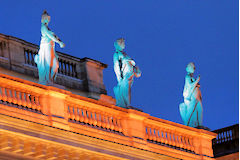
162 36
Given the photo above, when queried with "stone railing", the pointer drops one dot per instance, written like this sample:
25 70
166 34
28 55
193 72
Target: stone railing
227 140
59 108
29 56
94 116
67 67
19 96
170 136
83 74
227 134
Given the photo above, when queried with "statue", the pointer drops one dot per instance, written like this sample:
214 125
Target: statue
47 59
191 110
125 70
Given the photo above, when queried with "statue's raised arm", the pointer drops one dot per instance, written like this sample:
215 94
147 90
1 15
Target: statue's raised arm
125 69
47 34
47 59
191 110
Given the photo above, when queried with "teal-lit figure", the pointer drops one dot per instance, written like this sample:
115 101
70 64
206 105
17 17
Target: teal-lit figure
191 110
125 70
47 59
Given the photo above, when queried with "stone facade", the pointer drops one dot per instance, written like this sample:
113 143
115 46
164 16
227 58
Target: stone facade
77 120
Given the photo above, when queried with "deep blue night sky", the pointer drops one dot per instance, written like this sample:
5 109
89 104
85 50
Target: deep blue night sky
162 36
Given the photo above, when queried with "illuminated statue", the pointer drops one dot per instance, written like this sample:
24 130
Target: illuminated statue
47 59
125 70
191 110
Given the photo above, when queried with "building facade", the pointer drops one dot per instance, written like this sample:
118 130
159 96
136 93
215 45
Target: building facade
76 119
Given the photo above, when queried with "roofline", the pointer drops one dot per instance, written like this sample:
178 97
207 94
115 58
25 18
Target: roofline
35 45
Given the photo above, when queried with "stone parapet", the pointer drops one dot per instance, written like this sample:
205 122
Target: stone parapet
83 74
63 110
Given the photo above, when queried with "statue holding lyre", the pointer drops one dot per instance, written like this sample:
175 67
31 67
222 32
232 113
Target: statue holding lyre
191 110
125 69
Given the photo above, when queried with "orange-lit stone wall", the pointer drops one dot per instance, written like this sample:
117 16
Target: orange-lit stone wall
46 122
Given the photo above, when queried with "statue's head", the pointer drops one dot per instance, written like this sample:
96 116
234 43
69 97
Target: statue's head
119 44
190 67
45 17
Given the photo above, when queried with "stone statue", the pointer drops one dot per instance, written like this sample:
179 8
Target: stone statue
125 70
47 59
191 110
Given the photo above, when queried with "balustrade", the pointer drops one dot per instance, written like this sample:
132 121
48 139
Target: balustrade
19 97
226 134
67 68
62 109
94 117
168 136
29 56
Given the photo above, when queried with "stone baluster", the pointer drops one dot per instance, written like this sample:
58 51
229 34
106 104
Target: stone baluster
71 112
98 118
33 99
184 141
107 121
60 65
24 103
111 122
90 119
85 115
228 135
81 114
180 140
65 67
161 139
176 137
188 147
165 137
28 97
188 143
169 136
4 97
153 131
94 118
72 71
158 135
28 57
103 120
19 101
69 71
9 97
76 113
14 96
32 58
149 136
